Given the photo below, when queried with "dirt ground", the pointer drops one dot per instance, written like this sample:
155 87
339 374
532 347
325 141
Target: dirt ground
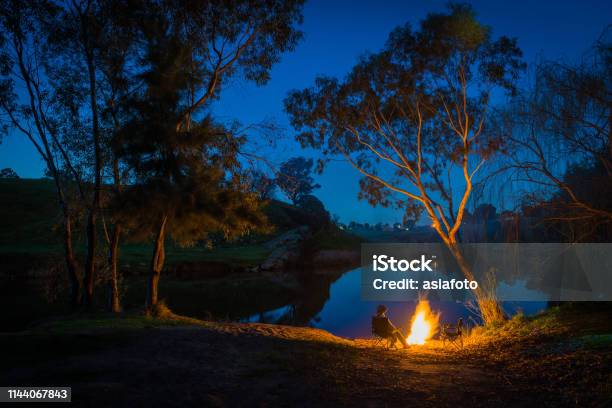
269 366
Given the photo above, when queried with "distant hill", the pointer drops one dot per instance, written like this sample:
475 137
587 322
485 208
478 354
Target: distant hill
421 233
29 212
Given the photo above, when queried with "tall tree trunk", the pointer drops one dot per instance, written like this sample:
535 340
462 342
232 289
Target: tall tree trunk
114 305
90 266
90 263
157 263
71 264
489 307
46 153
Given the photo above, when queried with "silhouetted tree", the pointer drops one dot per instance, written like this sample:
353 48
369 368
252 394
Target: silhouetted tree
414 114
263 185
558 129
554 218
72 110
485 212
23 38
8 173
294 178
74 45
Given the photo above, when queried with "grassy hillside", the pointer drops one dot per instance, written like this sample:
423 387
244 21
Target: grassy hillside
30 224
29 212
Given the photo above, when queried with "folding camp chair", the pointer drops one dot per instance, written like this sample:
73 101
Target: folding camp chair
453 334
380 332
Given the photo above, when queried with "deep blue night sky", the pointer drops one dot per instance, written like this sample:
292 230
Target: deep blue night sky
336 33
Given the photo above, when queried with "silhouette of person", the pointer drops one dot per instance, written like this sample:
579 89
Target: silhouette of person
387 327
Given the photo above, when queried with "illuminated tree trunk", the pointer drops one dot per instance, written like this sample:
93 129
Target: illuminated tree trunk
408 139
90 265
157 264
489 307
114 304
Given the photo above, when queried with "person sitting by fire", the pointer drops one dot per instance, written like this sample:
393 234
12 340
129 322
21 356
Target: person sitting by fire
382 326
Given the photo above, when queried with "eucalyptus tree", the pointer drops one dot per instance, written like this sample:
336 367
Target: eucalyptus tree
27 102
412 120
116 62
73 47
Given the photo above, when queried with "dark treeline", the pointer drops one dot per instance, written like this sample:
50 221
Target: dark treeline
557 151
555 156
114 97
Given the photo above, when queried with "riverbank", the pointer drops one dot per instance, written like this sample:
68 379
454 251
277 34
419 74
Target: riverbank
555 359
223 282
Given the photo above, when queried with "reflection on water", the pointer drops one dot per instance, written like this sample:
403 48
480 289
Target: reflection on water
336 306
271 316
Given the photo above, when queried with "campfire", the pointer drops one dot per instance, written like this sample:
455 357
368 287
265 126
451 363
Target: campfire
424 324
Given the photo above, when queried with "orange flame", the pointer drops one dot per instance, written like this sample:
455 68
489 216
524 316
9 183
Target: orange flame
424 324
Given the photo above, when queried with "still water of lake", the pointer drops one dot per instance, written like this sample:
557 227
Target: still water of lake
345 314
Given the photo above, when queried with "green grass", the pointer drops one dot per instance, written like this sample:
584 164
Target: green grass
31 248
597 341
140 254
30 220
331 237
77 324
248 255
580 320
29 212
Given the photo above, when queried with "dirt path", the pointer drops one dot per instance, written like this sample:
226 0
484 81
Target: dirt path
255 365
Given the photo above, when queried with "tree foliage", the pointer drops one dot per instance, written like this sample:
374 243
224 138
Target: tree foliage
8 173
118 91
412 118
261 184
294 178
557 138
28 107
187 174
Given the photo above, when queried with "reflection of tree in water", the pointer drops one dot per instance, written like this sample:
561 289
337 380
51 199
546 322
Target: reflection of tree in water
532 271
311 296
